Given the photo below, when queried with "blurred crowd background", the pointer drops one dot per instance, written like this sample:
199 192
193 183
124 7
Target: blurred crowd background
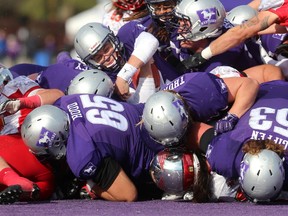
33 31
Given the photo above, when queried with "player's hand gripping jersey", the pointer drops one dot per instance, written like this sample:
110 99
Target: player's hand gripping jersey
17 88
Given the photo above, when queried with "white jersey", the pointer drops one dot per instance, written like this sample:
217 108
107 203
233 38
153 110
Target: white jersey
115 21
270 4
221 189
225 72
19 87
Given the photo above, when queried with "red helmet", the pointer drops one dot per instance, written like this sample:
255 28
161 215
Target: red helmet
174 171
131 5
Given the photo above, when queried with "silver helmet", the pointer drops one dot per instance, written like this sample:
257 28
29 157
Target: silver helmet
200 19
90 38
240 14
45 131
174 171
165 117
91 82
262 175
5 77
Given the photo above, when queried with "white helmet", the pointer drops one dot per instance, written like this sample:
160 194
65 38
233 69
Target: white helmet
165 117
240 14
90 38
174 171
262 175
91 82
201 18
45 131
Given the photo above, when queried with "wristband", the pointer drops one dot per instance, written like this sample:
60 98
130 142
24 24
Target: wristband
126 72
206 53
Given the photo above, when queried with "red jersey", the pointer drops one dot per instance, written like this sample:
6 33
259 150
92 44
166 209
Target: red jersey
278 7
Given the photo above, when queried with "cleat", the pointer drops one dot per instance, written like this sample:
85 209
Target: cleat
35 193
87 193
31 194
11 194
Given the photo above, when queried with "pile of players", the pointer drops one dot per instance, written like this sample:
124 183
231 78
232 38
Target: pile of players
166 99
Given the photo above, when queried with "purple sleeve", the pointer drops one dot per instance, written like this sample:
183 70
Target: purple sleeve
26 69
271 41
128 33
205 94
57 76
234 57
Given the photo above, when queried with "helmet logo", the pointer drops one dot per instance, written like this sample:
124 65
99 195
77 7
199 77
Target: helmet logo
207 16
46 138
181 109
92 48
243 169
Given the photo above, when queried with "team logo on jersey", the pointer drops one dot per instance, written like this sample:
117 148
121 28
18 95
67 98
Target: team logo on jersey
222 85
89 170
278 36
141 27
209 150
207 16
79 66
46 138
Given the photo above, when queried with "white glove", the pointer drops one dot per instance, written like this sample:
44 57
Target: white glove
168 196
10 106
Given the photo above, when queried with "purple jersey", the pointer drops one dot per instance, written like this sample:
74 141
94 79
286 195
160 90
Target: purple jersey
205 94
237 57
57 76
271 41
26 69
266 119
135 28
102 127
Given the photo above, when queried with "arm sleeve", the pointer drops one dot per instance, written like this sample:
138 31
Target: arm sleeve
143 41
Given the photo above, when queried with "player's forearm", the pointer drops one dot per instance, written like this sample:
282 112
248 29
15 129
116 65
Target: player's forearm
275 28
245 97
240 33
228 40
49 96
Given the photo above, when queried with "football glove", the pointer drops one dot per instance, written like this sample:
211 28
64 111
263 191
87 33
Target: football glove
10 106
194 61
282 49
226 124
